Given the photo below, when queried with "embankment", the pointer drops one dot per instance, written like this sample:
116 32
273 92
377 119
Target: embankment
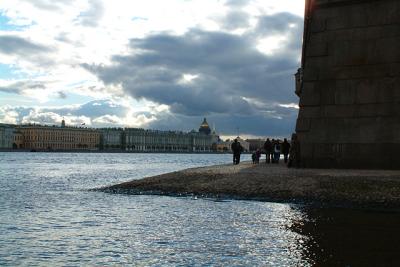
271 182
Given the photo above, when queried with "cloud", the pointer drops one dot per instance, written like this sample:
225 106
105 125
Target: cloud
61 95
20 87
98 113
237 3
92 16
236 20
229 70
16 45
51 5
231 65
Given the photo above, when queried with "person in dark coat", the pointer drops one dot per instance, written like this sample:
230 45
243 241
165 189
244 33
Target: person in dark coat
258 155
268 150
236 149
285 149
294 153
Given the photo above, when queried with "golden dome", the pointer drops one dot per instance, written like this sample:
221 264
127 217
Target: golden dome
204 127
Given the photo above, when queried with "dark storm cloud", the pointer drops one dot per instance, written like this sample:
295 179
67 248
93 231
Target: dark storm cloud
256 125
233 79
20 46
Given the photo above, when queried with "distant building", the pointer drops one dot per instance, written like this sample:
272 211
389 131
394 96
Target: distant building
39 137
18 140
225 146
6 136
170 141
205 128
166 141
48 138
111 138
255 144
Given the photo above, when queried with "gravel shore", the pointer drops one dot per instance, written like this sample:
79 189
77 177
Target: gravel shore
273 182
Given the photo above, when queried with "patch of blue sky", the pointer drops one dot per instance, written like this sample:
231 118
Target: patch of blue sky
6 25
136 18
70 99
8 72
12 99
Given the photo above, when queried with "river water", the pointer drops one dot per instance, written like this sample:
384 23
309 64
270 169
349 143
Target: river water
48 218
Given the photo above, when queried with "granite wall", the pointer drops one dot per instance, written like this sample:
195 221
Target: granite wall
350 86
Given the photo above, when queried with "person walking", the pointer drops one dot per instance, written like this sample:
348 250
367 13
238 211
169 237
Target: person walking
285 149
268 150
237 150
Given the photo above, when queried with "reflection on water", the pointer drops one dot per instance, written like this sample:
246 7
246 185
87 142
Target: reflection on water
349 237
47 216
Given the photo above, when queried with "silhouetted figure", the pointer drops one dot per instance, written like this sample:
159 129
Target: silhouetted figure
236 149
268 150
294 153
258 156
277 151
253 157
285 149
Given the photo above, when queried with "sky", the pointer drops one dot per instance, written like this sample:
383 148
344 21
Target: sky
152 64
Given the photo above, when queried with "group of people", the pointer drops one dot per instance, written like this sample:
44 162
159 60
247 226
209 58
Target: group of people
273 150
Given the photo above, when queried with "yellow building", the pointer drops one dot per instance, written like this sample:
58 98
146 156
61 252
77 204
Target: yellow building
18 140
39 137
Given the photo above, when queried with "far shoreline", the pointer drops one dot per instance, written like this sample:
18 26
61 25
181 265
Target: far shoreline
366 189
116 151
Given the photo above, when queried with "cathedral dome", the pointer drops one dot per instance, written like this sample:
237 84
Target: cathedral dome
204 127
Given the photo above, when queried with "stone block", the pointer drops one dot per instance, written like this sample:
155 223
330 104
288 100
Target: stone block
306 150
348 19
345 93
383 12
349 113
371 71
310 74
393 69
319 62
352 52
317 24
338 111
310 112
303 124
375 110
366 91
386 50
310 95
387 90
327 92
341 73
317 49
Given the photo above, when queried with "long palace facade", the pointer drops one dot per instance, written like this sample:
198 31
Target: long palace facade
63 138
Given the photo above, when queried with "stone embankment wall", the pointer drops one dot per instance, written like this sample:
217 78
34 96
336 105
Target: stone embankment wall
350 88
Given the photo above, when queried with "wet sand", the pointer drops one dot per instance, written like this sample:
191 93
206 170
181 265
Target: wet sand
273 182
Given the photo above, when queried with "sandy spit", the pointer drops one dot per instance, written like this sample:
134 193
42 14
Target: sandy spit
273 182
